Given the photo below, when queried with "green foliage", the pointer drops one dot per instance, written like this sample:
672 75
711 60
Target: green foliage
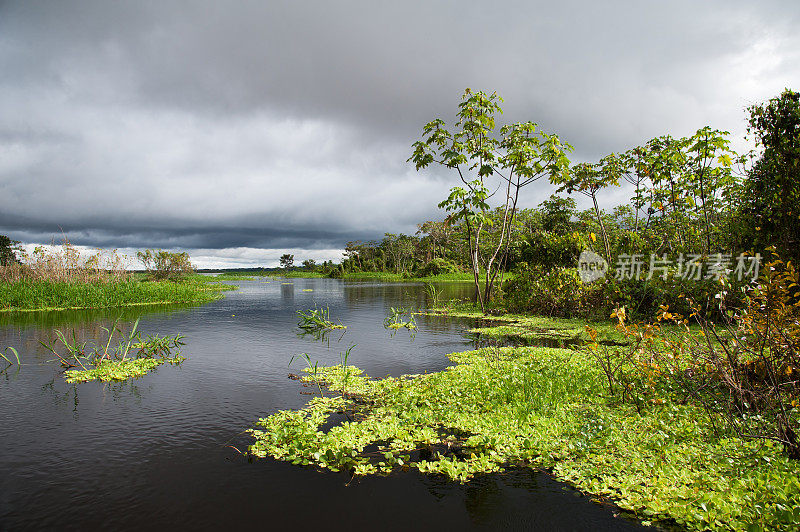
555 292
514 156
433 295
589 179
286 260
317 319
437 266
540 408
233 276
30 295
163 265
120 370
131 357
395 320
545 250
771 198
8 251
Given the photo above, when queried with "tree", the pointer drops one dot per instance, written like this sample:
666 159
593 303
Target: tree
771 201
286 261
8 249
708 161
164 264
310 265
439 234
589 179
483 156
400 249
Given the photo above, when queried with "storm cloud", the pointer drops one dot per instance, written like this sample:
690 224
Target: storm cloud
237 130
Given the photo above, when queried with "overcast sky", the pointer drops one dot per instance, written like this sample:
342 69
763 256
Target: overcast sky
239 130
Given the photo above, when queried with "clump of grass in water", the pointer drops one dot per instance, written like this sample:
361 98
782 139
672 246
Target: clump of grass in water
312 368
132 356
317 319
316 376
433 295
395 319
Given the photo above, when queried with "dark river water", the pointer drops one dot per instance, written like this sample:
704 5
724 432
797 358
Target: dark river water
159 452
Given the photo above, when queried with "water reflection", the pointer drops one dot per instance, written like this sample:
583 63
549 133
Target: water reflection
57 318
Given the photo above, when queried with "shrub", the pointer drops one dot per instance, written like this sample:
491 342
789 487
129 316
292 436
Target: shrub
438 266
558 292
162 264
743 369
642 298
65 264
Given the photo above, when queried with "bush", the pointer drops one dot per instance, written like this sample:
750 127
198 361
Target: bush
549 250
65 264
558 292
642 298
162 264
438 266
743 369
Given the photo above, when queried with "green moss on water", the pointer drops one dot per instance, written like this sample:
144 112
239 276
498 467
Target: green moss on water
119 370
532 328
540 408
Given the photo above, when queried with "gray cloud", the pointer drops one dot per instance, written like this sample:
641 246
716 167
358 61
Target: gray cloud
287 124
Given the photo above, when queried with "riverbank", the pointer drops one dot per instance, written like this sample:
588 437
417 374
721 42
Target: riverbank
28 295
375 276
661 458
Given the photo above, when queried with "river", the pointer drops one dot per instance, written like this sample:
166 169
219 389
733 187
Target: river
162 452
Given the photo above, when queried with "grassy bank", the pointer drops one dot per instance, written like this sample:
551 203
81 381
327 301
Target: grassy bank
357 276
299 274
541 408
30 295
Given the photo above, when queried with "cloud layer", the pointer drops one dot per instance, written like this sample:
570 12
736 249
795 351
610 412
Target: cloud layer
287 125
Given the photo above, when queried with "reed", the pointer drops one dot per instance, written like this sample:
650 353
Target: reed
65 264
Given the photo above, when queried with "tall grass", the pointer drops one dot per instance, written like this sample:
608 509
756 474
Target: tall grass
59 277
64 264
30 294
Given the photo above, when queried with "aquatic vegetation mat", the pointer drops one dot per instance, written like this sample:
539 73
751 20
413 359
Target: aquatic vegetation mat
119 370
317 319
534 330
400 318
132 356
542 408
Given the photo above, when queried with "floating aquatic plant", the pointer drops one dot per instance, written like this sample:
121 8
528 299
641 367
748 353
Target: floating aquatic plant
395 319
317 319
539 408
131 357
